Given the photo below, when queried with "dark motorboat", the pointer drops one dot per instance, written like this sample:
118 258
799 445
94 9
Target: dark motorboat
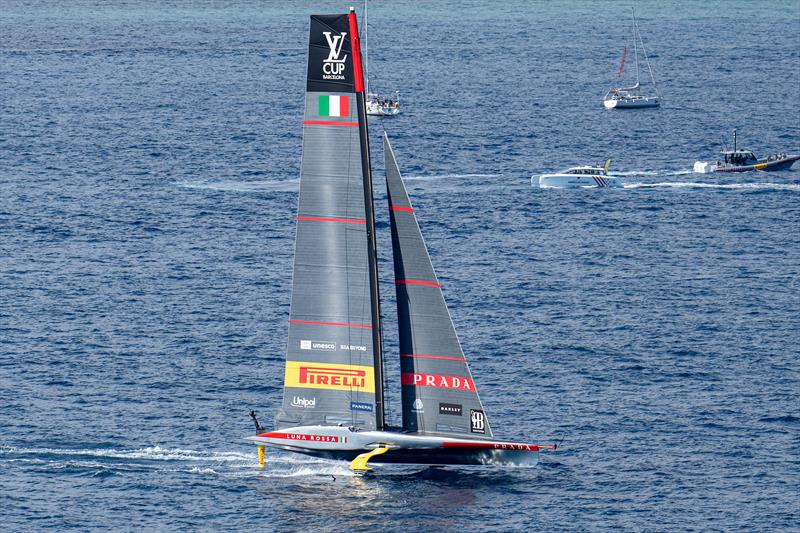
738 160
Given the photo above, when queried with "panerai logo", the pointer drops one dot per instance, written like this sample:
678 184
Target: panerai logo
304 403
333 66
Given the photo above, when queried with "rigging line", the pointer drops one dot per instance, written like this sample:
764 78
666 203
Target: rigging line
347 271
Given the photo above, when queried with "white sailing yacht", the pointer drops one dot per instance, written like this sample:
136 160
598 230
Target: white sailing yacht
631 97
377 105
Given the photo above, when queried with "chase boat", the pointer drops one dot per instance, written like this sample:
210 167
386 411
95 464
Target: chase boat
579 178
738 160
333 402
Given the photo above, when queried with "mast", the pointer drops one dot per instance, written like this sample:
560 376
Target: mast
647 61
372 248
635 46
366 52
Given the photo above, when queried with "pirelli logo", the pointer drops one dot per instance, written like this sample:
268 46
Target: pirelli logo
329 376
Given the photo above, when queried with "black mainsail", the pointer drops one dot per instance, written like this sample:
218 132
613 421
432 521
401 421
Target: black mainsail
333 357
438 393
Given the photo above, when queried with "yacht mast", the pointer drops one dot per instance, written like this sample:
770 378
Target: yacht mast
635 47
366 53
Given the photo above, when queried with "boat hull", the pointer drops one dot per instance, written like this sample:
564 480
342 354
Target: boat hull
577 181
333 442
374 107
632 103
763 165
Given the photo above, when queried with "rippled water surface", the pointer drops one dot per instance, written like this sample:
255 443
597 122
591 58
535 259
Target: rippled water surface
149 155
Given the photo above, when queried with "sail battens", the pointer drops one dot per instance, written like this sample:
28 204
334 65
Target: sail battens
330 123
430 356
336 324
416 282
333 219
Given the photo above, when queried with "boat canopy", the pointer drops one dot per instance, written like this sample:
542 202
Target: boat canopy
738 156
584 170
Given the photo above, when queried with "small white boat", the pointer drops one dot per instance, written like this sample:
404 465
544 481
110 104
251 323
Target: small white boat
377 105
383 106
632 97
579 178
626 98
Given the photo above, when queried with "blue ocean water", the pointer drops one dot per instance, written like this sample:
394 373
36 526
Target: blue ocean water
149 155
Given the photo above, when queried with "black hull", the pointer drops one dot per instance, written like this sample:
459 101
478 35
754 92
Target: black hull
767 166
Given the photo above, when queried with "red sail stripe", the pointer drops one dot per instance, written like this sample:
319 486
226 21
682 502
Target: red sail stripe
401 208
340 324
429 356
334 219
329 123
355 45
416 282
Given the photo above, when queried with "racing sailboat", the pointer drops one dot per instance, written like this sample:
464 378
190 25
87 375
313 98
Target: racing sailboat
333 404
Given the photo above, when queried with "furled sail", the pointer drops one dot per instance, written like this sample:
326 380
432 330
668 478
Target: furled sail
333 371
438 392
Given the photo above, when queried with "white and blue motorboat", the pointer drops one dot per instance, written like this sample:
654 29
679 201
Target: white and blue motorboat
585 177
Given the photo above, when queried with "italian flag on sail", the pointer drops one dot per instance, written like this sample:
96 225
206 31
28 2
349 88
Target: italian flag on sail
334 106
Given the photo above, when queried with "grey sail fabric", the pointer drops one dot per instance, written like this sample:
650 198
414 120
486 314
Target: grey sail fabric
438 392
330 373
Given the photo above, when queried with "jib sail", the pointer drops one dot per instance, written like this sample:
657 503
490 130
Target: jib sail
438 392
333 371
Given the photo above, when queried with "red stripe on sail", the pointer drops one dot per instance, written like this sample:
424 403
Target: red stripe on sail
401 208
429 356
339 324
355 44
416 282
329 123
334 219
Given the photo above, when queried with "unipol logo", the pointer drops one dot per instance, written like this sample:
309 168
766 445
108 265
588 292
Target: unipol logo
333 66
477 421
304 403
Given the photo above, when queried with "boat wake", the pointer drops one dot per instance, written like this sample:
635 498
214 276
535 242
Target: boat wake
651 172
113 461
450 176
292 185
724 186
